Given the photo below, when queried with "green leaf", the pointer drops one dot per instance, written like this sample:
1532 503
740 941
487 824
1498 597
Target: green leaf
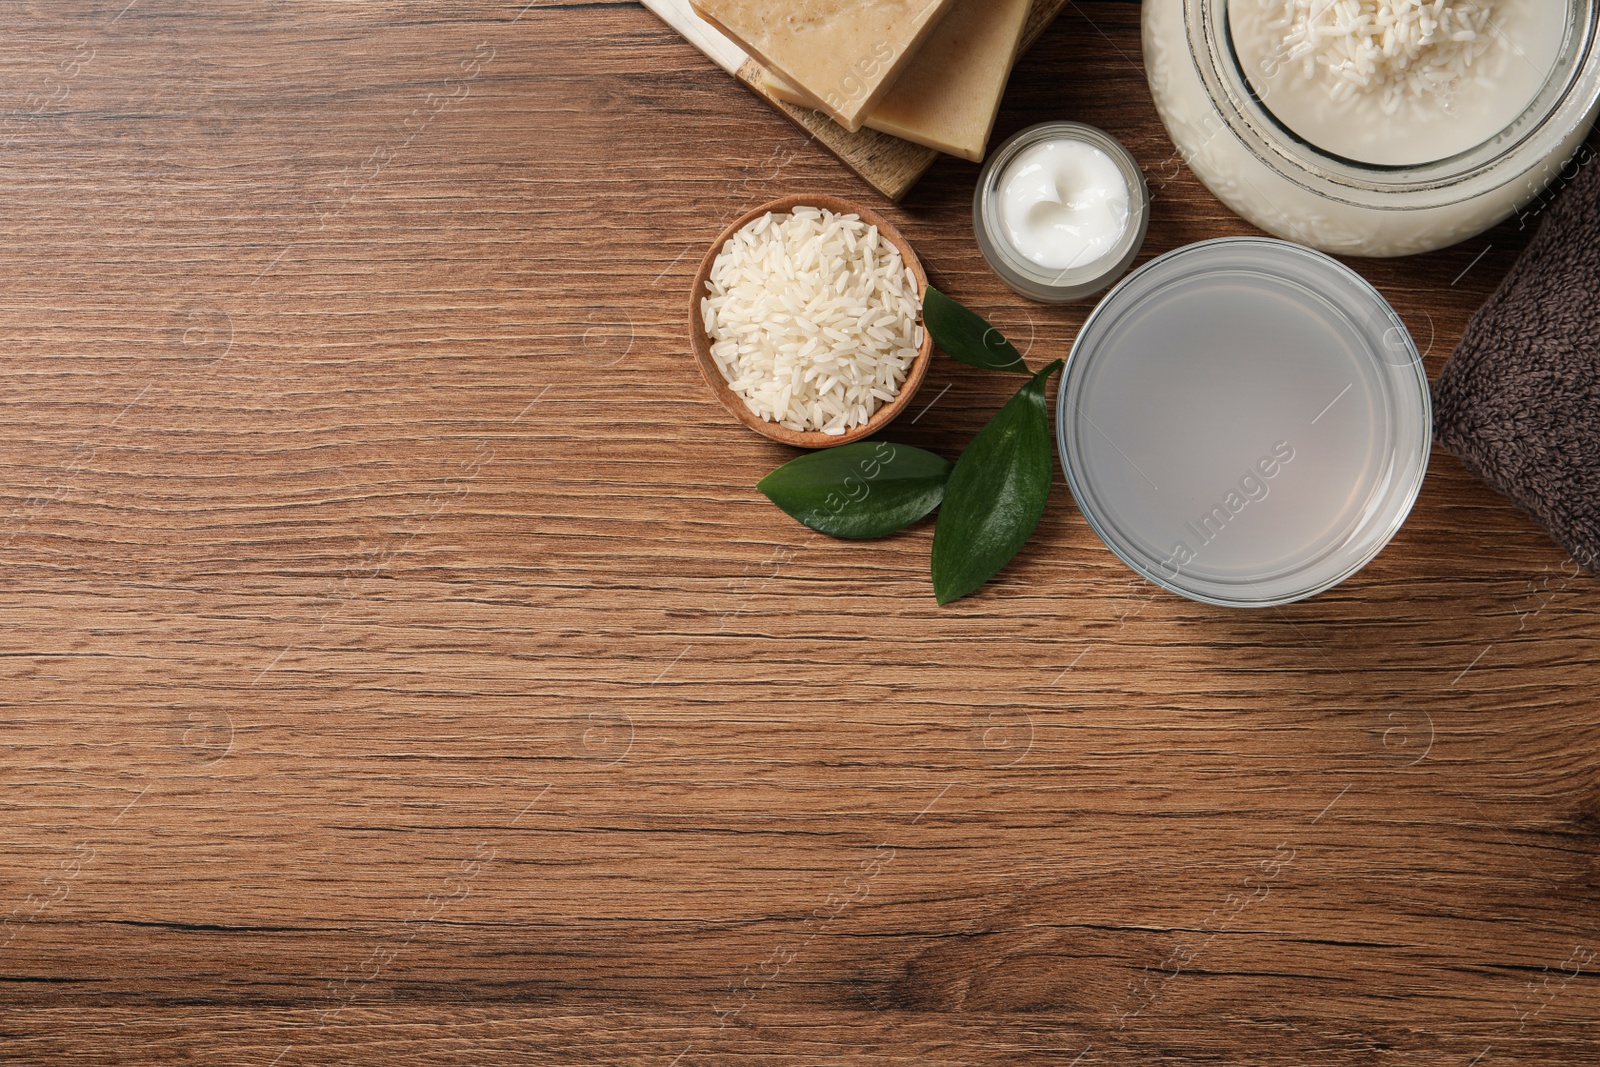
865 489
964 335
996 495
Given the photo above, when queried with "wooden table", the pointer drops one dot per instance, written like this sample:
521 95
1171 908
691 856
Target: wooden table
401 669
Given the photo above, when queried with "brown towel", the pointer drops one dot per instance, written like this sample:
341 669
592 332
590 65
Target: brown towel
1519 401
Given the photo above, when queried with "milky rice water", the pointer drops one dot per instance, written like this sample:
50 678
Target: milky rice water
812 318
1372 127
1396 82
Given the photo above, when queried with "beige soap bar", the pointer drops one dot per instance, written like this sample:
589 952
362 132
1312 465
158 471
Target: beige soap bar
948 94
843 54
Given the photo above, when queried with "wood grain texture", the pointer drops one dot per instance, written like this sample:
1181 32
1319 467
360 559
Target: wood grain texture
401 668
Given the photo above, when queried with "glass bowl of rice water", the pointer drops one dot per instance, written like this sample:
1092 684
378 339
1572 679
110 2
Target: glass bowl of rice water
1244 421
1374 127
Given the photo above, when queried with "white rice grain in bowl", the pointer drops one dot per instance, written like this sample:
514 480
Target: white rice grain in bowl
806 319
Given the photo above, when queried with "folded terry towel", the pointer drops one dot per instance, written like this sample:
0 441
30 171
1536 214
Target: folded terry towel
1519 401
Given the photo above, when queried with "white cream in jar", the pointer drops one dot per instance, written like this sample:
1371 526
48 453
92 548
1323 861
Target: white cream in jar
1064 203
1060 211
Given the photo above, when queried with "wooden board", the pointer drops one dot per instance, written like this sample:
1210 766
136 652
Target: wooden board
891 165
400 667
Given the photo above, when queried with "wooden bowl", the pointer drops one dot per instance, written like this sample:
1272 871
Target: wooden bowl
734 402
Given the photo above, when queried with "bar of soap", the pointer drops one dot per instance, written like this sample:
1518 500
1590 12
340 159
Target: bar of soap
948 94
843 54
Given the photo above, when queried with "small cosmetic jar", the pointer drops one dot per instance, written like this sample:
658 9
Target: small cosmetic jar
1060 211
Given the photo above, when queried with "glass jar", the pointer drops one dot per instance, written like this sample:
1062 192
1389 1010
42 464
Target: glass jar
1027 278
1291 188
